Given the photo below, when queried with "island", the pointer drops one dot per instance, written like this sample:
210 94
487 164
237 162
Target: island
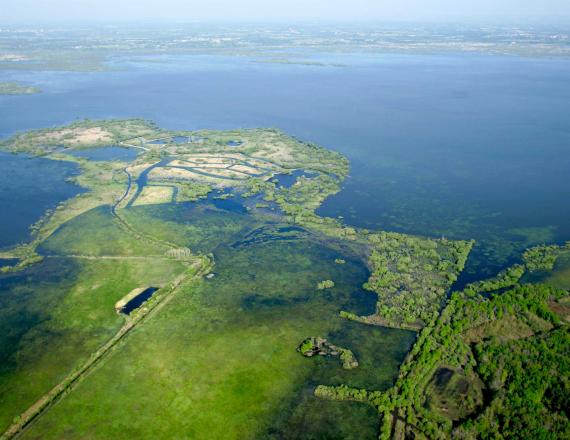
15 88
317 346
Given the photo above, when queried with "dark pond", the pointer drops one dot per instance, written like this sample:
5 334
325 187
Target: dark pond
102 154
8 261
138 300
234 143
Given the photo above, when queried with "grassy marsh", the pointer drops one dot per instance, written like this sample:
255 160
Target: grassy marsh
223 355
55 314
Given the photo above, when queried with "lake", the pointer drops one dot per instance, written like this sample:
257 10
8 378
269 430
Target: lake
456 145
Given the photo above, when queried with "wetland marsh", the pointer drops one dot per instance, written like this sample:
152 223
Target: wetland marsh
262 298
242 227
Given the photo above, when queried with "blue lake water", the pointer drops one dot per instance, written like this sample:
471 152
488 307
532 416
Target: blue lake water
102 154
28 187
460 145
464 146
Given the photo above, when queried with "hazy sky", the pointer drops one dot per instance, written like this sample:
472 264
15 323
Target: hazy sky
281 10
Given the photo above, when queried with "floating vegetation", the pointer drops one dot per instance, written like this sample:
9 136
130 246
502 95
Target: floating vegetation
326 284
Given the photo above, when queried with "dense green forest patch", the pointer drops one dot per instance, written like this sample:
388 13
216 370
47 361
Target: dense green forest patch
494 364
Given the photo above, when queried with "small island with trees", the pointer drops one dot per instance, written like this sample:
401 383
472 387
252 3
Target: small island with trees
317 346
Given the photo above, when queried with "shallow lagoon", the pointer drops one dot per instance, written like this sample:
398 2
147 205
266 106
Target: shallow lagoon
28 187
461 145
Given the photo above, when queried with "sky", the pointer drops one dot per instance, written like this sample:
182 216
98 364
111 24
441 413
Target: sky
508 11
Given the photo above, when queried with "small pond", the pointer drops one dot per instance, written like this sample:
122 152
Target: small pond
138 300
288 180
180 139
8 261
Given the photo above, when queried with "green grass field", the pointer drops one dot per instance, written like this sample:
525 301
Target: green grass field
59 314
96 233
56 313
